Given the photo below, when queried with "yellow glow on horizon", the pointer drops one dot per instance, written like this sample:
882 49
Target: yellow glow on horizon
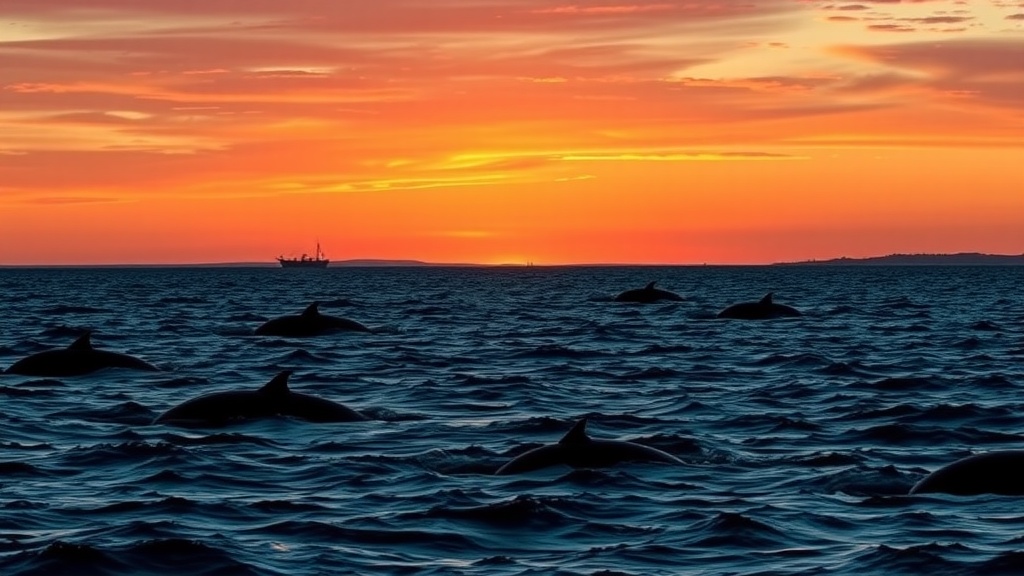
690 157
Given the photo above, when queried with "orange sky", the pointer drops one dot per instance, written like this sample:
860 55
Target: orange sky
492 131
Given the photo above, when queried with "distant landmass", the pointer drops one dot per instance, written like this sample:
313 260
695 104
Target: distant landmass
959 259
377 262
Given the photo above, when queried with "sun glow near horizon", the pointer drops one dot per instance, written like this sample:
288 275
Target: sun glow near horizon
510 131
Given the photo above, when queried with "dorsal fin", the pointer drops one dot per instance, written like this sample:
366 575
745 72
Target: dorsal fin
650 285
279 385
83 343
578 434
312 310
767 299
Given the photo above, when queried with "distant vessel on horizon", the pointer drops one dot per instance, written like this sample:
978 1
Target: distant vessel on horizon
317 261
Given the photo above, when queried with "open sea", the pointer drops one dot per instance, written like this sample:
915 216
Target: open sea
800 436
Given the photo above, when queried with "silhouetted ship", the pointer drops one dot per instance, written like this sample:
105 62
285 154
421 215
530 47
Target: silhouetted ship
304 261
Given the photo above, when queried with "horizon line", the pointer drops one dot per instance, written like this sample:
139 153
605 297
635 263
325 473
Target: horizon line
413 263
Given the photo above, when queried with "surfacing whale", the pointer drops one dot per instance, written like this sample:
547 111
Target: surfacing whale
273 399
77 359
760 310
1000 472
310 323
578 450
647 294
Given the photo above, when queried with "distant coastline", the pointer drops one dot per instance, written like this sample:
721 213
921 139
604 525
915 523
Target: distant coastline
959 259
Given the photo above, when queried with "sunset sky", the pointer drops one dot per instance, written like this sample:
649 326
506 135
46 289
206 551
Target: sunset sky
507 131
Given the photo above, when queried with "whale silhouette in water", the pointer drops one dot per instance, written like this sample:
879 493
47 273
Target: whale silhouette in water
310 323
578 450
273 399
647 294
1000 472
763 309
77 359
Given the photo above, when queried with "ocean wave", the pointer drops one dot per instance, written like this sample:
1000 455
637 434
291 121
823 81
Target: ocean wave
799 440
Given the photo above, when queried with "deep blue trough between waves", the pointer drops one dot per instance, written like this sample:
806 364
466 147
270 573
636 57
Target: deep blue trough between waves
799 437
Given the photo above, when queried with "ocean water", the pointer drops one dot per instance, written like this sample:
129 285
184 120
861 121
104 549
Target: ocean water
800 436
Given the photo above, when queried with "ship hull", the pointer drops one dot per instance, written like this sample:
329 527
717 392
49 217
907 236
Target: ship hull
304 263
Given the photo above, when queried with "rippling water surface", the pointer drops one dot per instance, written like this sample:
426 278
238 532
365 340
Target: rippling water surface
800 436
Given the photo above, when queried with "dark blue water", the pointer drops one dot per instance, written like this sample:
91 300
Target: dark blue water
800 436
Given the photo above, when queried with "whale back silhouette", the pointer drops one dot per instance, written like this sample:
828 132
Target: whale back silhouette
310 323
578 450
647 295
999 472
274 398
763 309
77 359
